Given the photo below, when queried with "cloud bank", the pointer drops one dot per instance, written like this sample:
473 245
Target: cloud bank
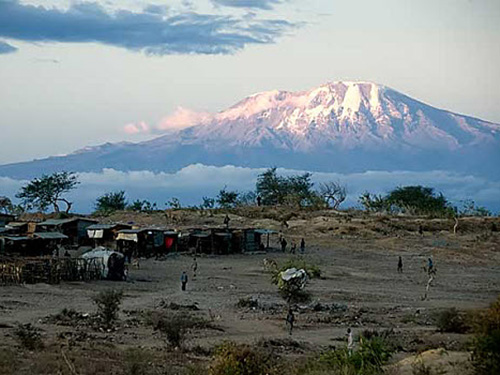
153 31
140 127
190 184
256 4
6 48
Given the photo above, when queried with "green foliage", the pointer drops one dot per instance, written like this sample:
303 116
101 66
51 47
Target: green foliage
241 359
450 320
5 205
110 202
469 208
486 344
293 291
415 200
372 354
41 193
108 304
295 190
142 206
208 203
29 337
174 204
227 198
247 198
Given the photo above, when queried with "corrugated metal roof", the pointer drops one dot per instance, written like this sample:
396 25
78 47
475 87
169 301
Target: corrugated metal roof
102 226
55 222
50 235
20 238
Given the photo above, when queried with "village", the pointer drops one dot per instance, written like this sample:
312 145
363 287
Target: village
52 270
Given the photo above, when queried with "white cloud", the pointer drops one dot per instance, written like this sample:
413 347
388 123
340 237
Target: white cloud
191 183
140 127
183 118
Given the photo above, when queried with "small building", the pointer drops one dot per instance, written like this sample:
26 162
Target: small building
146 242
75 228
6 219
105 234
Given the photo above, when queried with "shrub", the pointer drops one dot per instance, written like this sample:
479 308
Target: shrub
108 304
486 344
450 320
247 302
109 202
137 362
372 354
29 337
241 359
175 326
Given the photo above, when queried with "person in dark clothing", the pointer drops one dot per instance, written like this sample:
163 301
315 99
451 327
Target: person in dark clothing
430 266
184 280
283 244
400 265
421 230
194 267
290 318
226 221
302 246
259 200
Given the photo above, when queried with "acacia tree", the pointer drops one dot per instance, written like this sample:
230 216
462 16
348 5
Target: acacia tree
5 205
109 202
333 193
48 191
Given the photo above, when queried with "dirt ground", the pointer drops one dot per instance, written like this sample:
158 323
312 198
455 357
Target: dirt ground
359 286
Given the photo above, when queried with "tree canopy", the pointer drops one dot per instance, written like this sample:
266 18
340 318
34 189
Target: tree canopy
109 202
48 190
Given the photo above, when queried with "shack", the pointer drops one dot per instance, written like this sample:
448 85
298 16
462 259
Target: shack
227 240
6 219
105 234
146 242
38 244
75 228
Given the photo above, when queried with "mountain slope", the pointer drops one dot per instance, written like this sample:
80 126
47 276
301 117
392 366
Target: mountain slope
339 126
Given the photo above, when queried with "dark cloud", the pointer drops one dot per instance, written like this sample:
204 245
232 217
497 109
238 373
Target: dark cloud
6 48
151 31
257 4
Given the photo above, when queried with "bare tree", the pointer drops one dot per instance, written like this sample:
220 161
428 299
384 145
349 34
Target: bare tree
334 193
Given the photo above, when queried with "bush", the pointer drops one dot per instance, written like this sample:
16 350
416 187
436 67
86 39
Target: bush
451 321
111 202
29 337
241 359
138 362
486 344
175 326
108 304
247 302
372 354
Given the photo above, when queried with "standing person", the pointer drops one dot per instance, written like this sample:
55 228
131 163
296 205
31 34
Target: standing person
293 249
194 267
290 318
283 244
430 266
259 200
421 230
302 246
226 221
184 280
400 265
350 341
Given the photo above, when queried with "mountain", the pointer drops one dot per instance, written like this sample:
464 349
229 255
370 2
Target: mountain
337 127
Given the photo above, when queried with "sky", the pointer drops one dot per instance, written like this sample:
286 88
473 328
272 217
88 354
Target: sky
78 73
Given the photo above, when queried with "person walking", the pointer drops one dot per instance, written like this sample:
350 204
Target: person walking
194 267
430 266
302 246
290 318
226 221
400 265
283 244
184 280
350 341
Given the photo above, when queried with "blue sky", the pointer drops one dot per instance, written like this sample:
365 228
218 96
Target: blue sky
76 73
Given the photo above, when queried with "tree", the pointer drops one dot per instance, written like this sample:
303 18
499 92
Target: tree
333 193
270 187
227 199
48 190
208 203
294 190
5 205
418 199
109 202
